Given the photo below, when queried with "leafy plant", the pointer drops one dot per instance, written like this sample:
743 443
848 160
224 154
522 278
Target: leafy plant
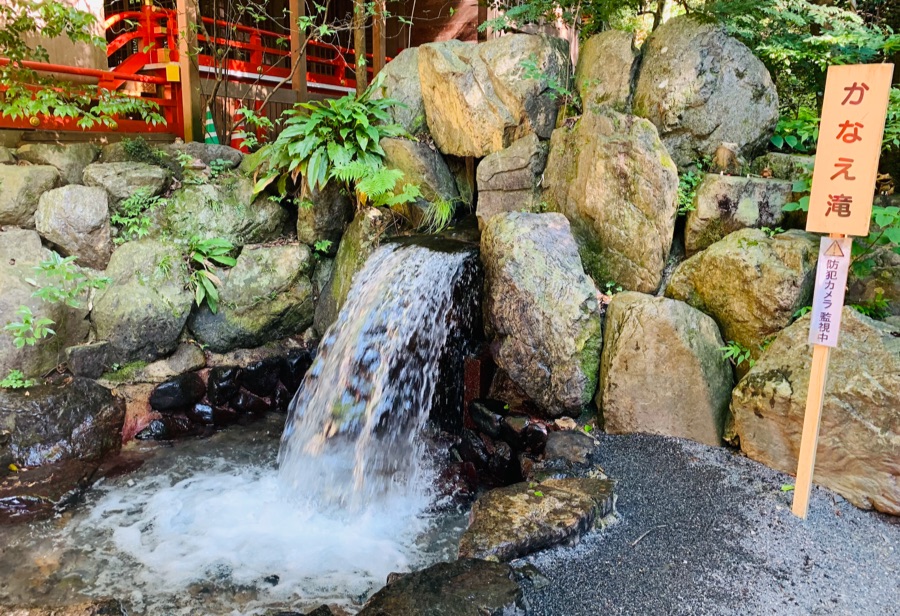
558 90
438 215
802 311
189 174
884 233
378 186
687 190
16 380
737 353
217 167
322 246
771 232
254 120
28 329
877 308
131 216
801 186
65 282
204 256
799 133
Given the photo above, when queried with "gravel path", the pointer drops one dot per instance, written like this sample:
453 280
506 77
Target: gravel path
719 539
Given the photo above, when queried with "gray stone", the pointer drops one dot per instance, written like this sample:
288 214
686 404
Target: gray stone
607 66
357 244
7 156
859 436
689 398
76 220
783 166
145 308
267 295
229 211
20 189
400 82
324 217
422 166
750 283
207 152
509 180
70 159
187 357
508 523
463 587
90 360
477 98
77 420
122 180
613 179
541 310
702 88
725 203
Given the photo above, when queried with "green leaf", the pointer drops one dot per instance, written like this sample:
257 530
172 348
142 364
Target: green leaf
777 141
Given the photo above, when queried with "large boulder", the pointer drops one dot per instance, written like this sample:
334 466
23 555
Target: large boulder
229 210
542 310
783 166
122 180
324 216
20 190
20 253
725 203
480 98
702 88
77 420
76 220
360 240
145 308
613 179
689 399
422 166
750 283
70 159
607 66
859 436
206 152
399 81
509 180
267 295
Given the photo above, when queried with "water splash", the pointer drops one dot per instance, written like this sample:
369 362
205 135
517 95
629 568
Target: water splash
354 429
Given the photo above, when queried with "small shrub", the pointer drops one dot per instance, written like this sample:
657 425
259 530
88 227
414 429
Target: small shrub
204 255
131 216
737 354
16 380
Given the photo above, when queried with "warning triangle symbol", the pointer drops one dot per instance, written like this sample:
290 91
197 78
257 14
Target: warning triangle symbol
834 250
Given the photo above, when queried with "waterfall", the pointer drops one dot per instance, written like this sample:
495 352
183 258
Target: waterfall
354 432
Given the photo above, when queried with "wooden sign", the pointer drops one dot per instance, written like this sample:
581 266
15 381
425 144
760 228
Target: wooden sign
840 204
828 299
850 133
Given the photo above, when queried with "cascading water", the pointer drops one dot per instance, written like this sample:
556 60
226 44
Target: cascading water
354 429
212 527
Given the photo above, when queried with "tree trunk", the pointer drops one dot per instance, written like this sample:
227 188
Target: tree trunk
359 45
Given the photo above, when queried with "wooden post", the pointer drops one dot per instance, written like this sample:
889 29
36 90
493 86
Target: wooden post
298 54
359 45
191 98
379 38
815 398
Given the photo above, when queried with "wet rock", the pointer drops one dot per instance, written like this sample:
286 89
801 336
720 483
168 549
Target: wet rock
487 415
607 66
509 180
186 358
202 414
534 438
465 587
76 220
515 521
400 81
282 399
22 188
502 462
69 159
168 428
294 368
614 180
261 377
477 99
750 283
44 491
178 394
566 453
859 437
90 360
541 309
222 384
513 429
122 180
325 216
471 449
689 399
103 607
701 87
145 308
250 404
75 420
724 204
225 416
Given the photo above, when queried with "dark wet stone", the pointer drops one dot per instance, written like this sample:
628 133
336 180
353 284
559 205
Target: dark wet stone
41 492
90 360
503 463
261 377
282 398
247 403
512 430
74 419
485 416
202 414
530 574
567 452
168 428
465 587
294 368
221 384
512 522
272 579
471 449
178 394
534 438
224 416
458 481
101 607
